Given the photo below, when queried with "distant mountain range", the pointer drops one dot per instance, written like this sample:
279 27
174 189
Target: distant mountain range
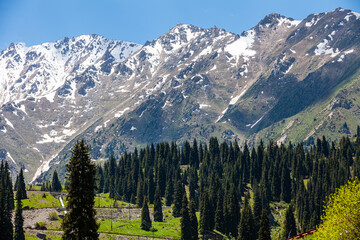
283 79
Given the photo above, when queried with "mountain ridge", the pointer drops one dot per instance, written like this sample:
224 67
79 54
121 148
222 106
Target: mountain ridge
194 82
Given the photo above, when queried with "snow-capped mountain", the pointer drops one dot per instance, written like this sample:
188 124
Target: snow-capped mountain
39 93
39 71
271 81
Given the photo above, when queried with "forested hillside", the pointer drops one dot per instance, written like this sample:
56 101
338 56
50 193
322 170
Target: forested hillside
221 178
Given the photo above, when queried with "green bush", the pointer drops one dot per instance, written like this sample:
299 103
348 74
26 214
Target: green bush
40 226
53 216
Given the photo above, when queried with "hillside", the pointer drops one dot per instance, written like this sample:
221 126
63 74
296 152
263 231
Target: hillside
283 79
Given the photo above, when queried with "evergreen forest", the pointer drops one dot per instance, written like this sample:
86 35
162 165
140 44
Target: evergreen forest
221 178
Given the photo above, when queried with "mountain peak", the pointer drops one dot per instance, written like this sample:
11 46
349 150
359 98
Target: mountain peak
275 19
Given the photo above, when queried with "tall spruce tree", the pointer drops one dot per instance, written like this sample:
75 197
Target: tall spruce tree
178 196
285 185
219 213
193 221
247 225
6 226
56 185
264 231
205 214
140 194
158 214
21 184
257 206
19 221
80 221
145 216
289 223
186 228
232 216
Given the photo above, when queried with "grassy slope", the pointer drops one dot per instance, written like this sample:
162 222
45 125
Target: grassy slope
36 200
317 117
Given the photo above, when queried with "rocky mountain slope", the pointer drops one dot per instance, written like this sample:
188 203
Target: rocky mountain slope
49 93
283 79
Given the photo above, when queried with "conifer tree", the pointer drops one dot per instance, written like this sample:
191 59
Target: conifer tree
264 231
178 196
140 194
193 221
101 184
6 226
16 182
186 228
247 226
9 187
285 185
145 216
80 221
257 207
219 213
151 187
22 184
232 217
289 224
56 185
158 214
19 221
205 214
169 193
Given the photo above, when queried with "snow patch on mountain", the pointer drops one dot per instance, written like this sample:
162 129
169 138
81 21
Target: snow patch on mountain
10 157
324 48
341 58
313 22
257 122
235 99
288 22
242 46
350 14
43 168
120 113
9 123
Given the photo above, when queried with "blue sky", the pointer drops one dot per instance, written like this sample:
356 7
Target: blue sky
38 21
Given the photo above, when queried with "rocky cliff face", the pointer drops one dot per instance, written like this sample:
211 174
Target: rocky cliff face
190 82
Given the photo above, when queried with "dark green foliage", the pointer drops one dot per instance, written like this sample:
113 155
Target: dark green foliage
264 231
186 228
219 213
145 216
80 221
158 214
232 212
257 207
205 215
221 173
285 185
16 182
56 185
111 175
140 194
9 188
6 196
19 221
247 225
169 193
289 224
178 196
193 221
22 185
